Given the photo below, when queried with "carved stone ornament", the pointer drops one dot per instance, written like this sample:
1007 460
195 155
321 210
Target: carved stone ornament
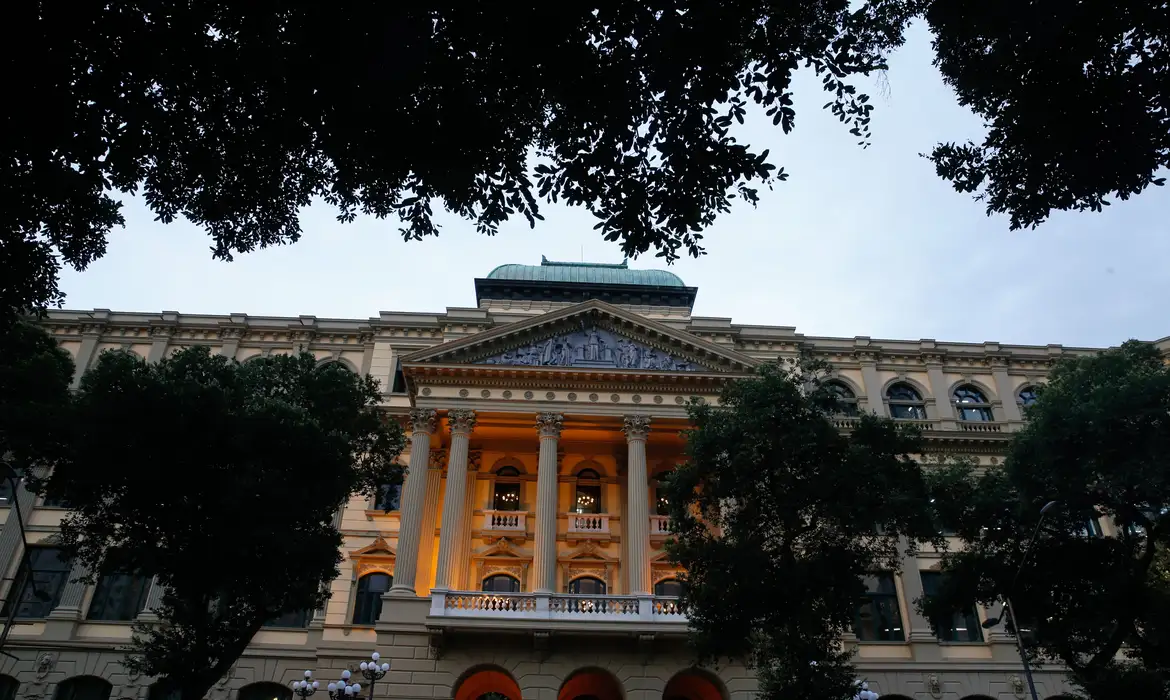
227 677
933 686
636 427
1017 686
422 420
438 459
591 346
548 425
45 663
462 421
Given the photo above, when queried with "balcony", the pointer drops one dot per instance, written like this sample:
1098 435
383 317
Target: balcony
594 613
588 526
505 521
659 526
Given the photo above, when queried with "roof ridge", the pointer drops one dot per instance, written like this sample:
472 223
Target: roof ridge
623 265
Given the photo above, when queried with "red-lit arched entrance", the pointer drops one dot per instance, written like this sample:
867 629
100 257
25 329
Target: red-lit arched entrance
483 681
692 685
591 684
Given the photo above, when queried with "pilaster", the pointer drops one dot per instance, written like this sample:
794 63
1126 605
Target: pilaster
637 526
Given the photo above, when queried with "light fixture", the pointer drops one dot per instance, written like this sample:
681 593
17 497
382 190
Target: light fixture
371 670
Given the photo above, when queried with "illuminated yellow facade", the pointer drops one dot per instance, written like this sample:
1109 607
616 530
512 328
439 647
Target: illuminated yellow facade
524 553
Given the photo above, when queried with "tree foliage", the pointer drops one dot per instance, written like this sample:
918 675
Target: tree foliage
237 115
1075 97
35 374
777 516
1097 442
222 480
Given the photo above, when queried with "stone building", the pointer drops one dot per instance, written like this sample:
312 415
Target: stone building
524 554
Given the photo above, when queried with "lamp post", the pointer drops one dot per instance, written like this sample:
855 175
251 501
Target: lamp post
342 689
1007 601
864 693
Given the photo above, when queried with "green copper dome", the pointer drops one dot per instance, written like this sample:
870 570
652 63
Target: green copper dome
582 272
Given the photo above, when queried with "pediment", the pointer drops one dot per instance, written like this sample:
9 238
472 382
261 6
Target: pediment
587 551
501 549
378 548
589 336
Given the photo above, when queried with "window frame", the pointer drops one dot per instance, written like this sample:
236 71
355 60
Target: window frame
98 603
575 586
884 604
360 604
66 688
916 407
592 486
962 397
658 591
60 580
506 481
379 498
496 577
846 398
970 617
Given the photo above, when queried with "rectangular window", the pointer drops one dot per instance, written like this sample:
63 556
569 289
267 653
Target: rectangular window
297 619
389 497
960 627
506 497
398 383
119 597
1092 528
878 617
44 582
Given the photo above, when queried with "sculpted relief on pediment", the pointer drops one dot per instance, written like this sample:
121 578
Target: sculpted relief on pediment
592 346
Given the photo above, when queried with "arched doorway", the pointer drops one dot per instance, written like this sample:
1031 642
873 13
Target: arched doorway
487 683
693 684
591 684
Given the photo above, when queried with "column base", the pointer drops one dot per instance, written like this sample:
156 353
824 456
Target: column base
65 614
402 592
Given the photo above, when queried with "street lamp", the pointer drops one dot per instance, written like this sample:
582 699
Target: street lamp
864 693
1007 601
342 689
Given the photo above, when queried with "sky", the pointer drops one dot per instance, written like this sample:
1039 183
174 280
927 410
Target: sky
856 242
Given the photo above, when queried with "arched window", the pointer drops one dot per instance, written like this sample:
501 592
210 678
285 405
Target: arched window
506 494
83 688
1028 396
119 597
846 399
265 691
587 585
668 588
8 687
971 404
368 602
501 583
905 402
588 496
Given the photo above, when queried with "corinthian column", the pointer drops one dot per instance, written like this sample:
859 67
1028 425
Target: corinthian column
461 422
544 558
637 525
410 521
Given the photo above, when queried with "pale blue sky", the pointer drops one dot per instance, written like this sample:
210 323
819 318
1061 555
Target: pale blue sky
856 242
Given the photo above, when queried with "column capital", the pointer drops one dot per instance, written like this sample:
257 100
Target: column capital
422 420
461 420
548 425
636 427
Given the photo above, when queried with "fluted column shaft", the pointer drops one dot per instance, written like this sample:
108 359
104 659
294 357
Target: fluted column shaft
637 525
154 598
426 548
69 606
411 506
454 497
544 556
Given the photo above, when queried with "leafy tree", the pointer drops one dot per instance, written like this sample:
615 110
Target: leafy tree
35 374
1097 442
1074 96
222 480
237 115
777 516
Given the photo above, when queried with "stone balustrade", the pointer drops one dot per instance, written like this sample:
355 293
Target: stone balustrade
555 606
505 520
659 525
589 523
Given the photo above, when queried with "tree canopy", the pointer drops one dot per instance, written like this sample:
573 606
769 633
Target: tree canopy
778 516
1098 443
35 374
162 460
237 115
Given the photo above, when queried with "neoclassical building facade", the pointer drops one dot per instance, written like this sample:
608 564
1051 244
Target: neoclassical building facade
524 555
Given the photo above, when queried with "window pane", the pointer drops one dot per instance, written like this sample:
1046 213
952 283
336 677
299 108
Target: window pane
44 581
879 618
506 497
902 392
587 586
669 588
588 499
389 496
368 603
662 504
961 627
295 619
501 583
119 597
909 412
